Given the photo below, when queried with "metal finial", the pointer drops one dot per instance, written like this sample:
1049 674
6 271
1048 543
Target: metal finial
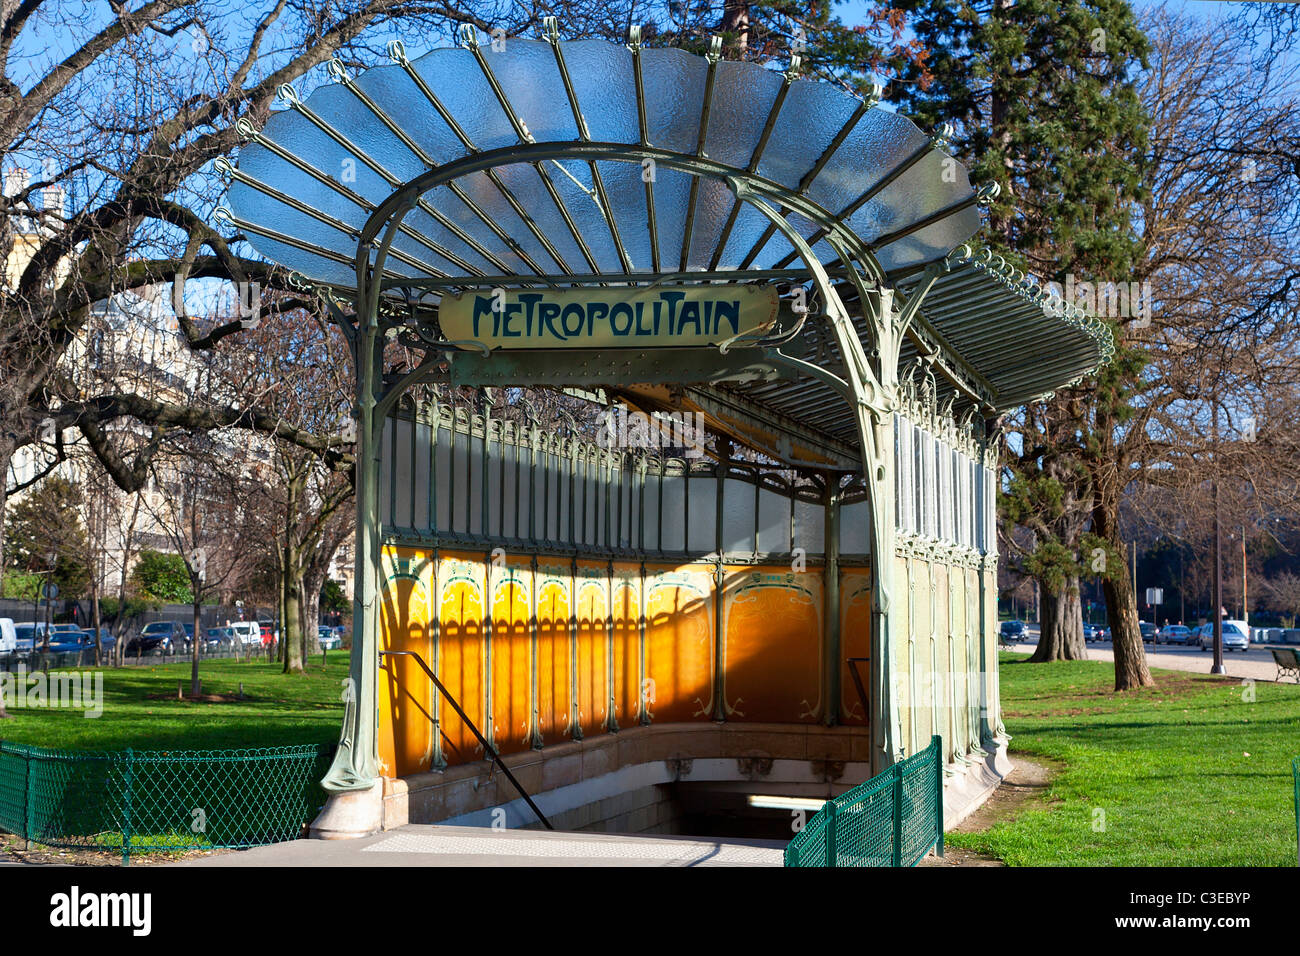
987 193
335 68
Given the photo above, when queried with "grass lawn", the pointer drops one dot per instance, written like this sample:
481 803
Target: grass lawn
1186 773
141 709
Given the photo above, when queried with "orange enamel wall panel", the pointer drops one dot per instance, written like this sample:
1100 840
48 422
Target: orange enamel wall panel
462 653
679 623
553 652
855 641
772 653
510 649
627 644
406 694
592 606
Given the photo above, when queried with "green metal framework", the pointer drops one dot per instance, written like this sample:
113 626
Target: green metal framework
826 379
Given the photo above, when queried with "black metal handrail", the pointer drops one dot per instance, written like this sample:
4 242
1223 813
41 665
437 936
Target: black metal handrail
853 663
487 747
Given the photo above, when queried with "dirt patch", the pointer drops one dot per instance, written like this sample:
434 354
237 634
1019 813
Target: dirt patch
16 850
205 698
1026 785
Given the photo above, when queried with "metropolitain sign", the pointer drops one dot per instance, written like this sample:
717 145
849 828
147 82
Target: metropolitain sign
668 317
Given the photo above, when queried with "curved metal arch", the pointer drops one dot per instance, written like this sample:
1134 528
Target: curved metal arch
873 396
402 200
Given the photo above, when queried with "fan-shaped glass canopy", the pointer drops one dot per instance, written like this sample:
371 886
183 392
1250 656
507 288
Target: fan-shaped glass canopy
548 163
312 177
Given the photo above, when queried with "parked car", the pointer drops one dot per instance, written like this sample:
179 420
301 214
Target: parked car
270 633
28 634
75 642
106 639
1174 634
159 637
248 632
1148 631
8 636
218 638
329 639
25 636
1236 636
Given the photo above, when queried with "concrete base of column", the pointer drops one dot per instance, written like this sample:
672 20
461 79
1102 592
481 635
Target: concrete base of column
349 815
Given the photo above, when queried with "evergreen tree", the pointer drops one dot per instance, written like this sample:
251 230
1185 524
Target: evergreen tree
47 524
1043 101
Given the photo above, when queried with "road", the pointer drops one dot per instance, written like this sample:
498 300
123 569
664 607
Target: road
1256 662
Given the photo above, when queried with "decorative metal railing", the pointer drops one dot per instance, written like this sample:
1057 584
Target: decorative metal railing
134 801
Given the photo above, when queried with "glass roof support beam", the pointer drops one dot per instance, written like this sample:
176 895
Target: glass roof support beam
398 54
250 133
873 401
652 216
394 182
729 409
712 57
471 43
937 141
788 77
811 175
338 71
552 33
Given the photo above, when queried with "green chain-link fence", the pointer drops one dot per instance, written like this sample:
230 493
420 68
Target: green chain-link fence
891 820
136 801
1295 774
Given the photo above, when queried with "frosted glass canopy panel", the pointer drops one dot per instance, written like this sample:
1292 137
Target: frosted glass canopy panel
576 158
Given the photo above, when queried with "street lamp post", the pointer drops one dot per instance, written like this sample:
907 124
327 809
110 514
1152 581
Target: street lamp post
53 559
1217 667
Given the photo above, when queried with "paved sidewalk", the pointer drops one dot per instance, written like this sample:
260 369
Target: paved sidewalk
431 845
1236 664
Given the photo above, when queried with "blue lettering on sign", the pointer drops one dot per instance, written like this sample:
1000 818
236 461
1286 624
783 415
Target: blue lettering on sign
670 314
621 308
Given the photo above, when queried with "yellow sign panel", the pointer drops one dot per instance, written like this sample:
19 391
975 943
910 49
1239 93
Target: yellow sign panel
665 317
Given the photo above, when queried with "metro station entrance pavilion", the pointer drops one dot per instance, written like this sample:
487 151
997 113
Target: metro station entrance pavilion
800 591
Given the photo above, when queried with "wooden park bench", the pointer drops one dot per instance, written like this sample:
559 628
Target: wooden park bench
1288 662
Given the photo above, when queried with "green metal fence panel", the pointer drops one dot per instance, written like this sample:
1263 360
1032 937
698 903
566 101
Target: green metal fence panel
894 819
136 801
1295 773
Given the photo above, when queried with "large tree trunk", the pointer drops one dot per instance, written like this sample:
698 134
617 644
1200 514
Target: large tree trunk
1126 637
735 22
6 455
1060 625
198 637
312 581
1121 604
291 617
95 619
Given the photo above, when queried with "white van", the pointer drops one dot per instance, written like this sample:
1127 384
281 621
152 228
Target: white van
246 631
8 636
